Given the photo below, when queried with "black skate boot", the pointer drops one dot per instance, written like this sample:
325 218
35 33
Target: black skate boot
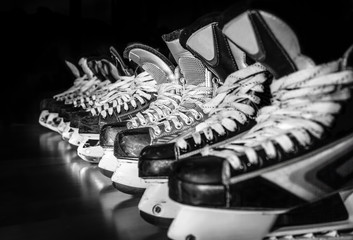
291 157
167 100
231 112
197 90
112 121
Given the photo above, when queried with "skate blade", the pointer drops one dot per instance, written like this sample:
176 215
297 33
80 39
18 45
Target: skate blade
126 176
211 223
76 138
155 205
92 136
108 163
90 154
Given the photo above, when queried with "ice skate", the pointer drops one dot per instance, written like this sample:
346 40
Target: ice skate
168 98
136 94
294 155
247 82
50 107
197 90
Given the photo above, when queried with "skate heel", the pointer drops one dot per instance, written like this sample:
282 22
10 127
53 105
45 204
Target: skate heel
43 118
155 205
108 164
334 213
206 41
75 138
220 224
266 39
125 177
91 154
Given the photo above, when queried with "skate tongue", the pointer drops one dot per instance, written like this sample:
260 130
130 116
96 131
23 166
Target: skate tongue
120 65
73 69
85 68
347 61
192 68
152 61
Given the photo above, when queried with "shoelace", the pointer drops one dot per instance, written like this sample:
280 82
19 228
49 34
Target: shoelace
191 95
85 90
95 92
304 105
333 234
102 89
233 105
167 100
131 90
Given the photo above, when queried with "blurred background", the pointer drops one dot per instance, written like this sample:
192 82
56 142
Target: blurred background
39 35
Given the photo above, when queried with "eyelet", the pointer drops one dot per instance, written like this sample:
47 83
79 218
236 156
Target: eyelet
198 116
189 122
167 130
157 133
179 126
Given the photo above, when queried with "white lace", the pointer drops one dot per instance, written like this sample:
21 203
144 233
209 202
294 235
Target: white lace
228 107
102 89
191 94
131 90
82 85
74 91
167 100
303 105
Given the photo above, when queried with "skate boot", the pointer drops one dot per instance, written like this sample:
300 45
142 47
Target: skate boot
197 84
167 100
291 157
104 70
92 96
141 93
89 149
231 112
50 107
56 120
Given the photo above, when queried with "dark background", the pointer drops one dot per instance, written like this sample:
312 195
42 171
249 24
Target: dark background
37 36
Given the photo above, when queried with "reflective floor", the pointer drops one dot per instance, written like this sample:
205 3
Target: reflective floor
48 192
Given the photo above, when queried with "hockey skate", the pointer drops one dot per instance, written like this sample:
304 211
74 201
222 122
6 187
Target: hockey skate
298 153
93 96
168 99
197 90
89 148
50 107
225 124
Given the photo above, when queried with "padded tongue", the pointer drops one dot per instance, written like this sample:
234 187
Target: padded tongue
152 61
120 65
85 68
73 69
192 68
266 39
347 61
205 40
